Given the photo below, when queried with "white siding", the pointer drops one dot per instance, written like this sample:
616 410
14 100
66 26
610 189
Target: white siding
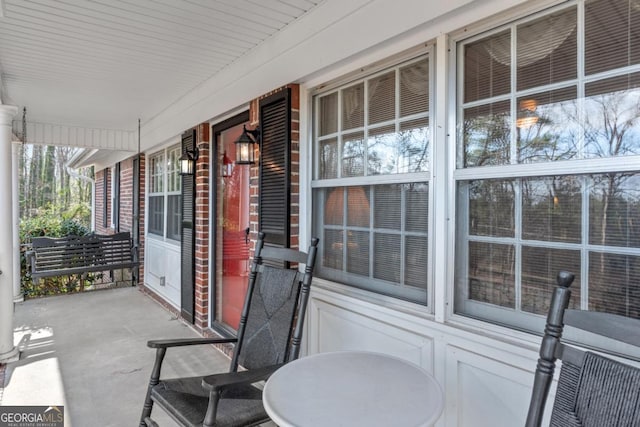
487 380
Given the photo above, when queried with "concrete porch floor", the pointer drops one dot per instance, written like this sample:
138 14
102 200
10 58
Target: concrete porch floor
88 352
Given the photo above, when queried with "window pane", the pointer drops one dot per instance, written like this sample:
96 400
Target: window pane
156 215
382 153
333 254
547 49
540 267
157 173
173 177
491 207
487 65
353 155
491 273
353 107
612 125
414 146
613 284
552 209
388 254
334 207
614 210
386 265
611 36
417 207
416 255
328 113
388 206
486 133
358 252
358 206
329 158
174 217
382 98
547 126
414 88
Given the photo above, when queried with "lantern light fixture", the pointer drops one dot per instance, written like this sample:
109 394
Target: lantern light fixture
187 161
245 146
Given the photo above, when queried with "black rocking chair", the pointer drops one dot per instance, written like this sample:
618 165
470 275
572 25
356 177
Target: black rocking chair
593 390
269 336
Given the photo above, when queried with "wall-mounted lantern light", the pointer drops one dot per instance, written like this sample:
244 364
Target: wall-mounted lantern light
188 161
245 146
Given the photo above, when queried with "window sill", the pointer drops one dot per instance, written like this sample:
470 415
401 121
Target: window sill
388 302
161 240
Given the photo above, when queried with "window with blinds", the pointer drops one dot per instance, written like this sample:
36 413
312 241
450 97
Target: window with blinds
552 104
164 203
371 181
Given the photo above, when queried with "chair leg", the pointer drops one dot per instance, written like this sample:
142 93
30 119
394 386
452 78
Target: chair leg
153 381
212 409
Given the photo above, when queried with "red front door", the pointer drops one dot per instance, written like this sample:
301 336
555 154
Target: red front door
232 224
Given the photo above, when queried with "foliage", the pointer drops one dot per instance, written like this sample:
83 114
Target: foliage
52 221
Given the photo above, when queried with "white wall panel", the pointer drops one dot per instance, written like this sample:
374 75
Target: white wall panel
162 263
339 329
485 392
486 378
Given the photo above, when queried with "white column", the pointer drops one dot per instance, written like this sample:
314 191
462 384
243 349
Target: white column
7 349
15 167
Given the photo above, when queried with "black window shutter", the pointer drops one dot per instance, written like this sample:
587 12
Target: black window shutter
275 181
105 198
188 238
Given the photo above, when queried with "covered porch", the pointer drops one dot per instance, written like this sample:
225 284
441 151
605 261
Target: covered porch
451 157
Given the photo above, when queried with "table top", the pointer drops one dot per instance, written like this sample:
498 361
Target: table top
352 388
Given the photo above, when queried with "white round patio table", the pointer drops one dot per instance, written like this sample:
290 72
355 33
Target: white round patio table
352 388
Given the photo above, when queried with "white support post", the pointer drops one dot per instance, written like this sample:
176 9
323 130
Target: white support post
15 167
8 350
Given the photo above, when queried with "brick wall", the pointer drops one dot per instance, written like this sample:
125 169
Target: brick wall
142 211
202 229
126 195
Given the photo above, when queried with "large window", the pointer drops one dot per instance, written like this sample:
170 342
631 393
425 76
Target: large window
548 172
372 181
165 191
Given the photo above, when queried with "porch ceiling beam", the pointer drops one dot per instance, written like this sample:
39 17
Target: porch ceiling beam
74 136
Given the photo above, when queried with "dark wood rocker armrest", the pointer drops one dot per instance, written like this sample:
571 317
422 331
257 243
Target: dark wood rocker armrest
187 341
219 382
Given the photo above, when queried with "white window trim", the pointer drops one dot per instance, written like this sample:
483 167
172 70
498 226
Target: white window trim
585 166
362 76
165 193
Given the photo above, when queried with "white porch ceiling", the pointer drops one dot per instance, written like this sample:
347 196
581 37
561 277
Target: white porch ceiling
103 64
